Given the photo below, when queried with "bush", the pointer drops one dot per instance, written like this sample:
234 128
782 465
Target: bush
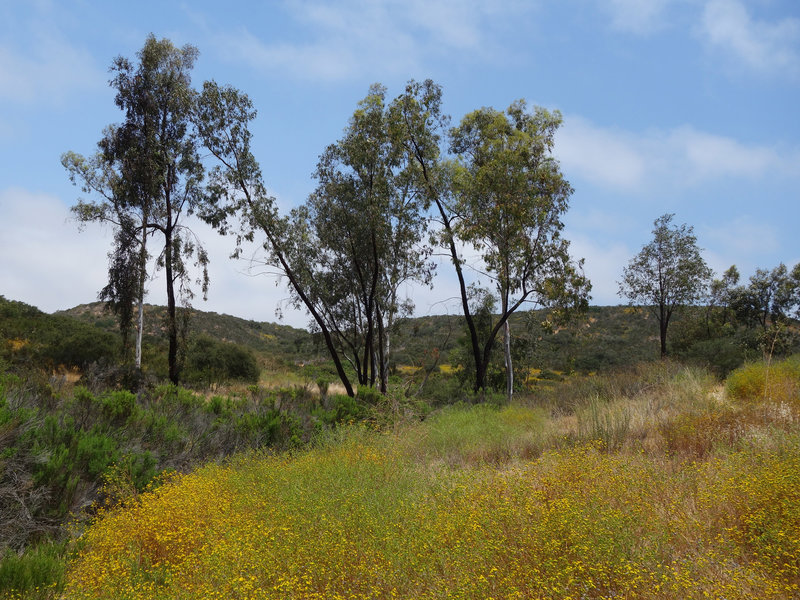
779 382
212 361
37 573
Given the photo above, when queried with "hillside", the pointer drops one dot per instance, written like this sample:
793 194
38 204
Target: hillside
288 343
607 336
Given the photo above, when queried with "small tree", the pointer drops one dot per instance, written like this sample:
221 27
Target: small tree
668 273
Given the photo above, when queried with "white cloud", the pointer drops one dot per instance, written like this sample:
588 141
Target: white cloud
745 237
352 38
605 156
46 262
603 266
636 16
632 161
770 48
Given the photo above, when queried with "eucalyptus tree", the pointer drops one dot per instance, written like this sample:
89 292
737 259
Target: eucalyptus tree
127 270
510 197
503 194
149 173
668 273
367 220
241 206
348 249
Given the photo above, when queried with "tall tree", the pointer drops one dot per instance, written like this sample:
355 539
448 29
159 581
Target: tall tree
367 219
510 197
668 273
153 169
503 165
240 204
127 269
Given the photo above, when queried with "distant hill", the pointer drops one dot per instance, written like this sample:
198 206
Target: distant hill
607 336
266 339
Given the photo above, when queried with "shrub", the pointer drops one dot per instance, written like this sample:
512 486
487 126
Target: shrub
36 573
212 361
779 382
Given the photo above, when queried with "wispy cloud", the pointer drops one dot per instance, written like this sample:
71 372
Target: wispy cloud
43 66
631 161
354 38
771 48
639 17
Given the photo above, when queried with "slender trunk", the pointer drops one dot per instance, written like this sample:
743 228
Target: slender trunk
381 349
509 367
663 319
480 368
480 373
172 321
326 334
142 278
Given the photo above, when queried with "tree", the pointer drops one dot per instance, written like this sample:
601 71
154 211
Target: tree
668 273
149 174
241 205
510 196
346 252
366 219
504 195
127 269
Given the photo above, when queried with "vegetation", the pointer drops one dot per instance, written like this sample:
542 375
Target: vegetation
667 274
481 502
611 474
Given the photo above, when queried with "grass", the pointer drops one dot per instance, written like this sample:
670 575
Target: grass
665 487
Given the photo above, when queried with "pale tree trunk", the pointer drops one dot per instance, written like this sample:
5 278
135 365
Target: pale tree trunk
509 367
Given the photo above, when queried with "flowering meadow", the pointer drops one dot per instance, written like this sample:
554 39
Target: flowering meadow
684 489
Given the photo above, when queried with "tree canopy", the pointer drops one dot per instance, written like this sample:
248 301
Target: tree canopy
669 272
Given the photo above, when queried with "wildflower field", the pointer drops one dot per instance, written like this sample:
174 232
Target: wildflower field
677 488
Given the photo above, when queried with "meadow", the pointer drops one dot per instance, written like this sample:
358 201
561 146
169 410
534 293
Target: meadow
657 482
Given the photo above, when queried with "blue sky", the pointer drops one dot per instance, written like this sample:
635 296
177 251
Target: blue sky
681 106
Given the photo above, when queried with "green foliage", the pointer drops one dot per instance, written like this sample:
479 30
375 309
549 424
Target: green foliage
668 273
30 339
37 573
213 361
765 382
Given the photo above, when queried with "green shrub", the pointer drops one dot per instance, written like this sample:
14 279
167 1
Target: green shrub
36 573
778 382
213 361
119 405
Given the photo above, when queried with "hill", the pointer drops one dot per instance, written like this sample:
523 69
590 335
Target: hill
607 336
267 339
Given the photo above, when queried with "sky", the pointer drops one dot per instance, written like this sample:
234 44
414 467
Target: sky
688 107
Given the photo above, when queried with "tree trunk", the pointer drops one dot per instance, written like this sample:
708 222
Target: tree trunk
142 278
509 366
663 320
172 321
